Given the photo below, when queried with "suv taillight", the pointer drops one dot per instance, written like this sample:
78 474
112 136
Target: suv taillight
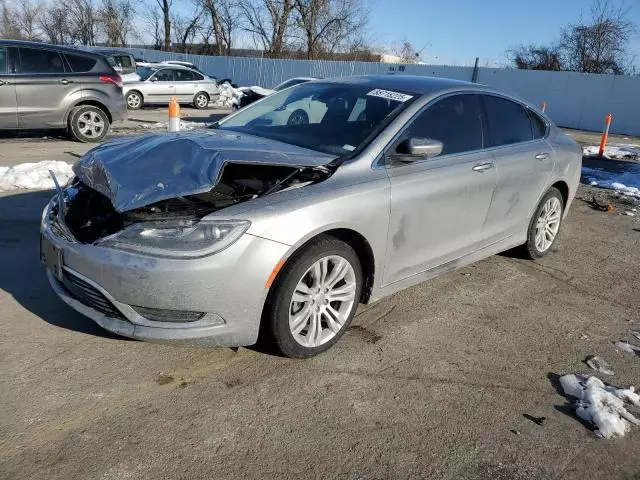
112 78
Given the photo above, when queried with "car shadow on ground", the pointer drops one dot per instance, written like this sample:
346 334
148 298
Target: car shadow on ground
24 134
22 275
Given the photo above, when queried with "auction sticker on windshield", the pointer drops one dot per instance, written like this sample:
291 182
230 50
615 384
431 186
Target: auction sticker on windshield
397 96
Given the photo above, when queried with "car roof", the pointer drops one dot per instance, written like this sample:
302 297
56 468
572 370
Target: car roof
411 83
113 52
49 46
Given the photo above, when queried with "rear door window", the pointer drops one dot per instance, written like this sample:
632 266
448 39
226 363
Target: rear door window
539 126
80 63
184 76
34 60
456 121
508 121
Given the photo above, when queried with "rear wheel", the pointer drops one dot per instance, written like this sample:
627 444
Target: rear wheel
88 124
545 225
314 298
201 100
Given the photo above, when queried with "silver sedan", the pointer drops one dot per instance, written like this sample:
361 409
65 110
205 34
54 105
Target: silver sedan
158 84
279 228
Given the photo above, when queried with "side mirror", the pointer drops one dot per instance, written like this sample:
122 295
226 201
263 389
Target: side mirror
153 79
413 149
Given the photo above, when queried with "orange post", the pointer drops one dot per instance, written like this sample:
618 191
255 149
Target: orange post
543 106
174 115
605 134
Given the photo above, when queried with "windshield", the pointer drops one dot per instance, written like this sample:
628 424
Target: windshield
145 72
334 118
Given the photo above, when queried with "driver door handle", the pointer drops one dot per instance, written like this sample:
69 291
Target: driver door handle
481 167
64 81
542 156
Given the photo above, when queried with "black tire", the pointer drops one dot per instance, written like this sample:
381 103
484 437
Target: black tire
88 124
530 249
131 102
298 117
275 321
201 100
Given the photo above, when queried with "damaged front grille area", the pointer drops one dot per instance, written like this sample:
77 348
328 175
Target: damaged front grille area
91 216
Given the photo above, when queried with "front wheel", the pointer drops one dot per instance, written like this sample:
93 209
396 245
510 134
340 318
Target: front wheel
88 124
134 100
545 225
314 298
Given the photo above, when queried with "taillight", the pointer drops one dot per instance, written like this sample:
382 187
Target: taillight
112 78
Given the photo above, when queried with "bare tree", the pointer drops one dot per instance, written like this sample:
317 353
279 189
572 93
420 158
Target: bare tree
9 23
327 24
534 57
186 28
153 25
116 17
599 45
83 16
55 25
165 7
269 22
224 17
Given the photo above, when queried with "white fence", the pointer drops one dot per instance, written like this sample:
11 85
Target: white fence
575 100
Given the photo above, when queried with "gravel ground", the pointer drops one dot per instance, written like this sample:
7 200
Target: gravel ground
438 381
442 380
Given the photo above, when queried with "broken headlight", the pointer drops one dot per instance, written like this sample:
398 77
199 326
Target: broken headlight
178 239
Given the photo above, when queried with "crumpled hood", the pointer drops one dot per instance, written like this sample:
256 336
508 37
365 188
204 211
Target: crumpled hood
138 171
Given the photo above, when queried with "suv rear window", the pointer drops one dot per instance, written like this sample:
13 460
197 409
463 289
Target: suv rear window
34 60
80 63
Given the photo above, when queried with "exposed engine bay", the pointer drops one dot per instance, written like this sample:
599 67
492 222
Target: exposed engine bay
90 215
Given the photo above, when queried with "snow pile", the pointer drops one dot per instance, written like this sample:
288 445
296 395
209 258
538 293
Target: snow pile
228 96
619 151
602 405
624 180
34 175
184 125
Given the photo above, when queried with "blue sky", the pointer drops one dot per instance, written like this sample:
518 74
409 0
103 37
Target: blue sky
456 31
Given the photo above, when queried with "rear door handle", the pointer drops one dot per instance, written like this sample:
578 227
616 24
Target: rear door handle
481 167
64 81
542 156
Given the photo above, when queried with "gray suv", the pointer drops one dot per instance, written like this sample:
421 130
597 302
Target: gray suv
46 86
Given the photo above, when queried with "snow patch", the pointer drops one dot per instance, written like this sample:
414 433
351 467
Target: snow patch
623 180
228 96
619 151
34 175
184 125
600 404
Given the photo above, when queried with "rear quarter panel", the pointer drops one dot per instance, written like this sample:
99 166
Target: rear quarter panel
568 161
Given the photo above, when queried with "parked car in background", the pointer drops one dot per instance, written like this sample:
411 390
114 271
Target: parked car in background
253 94
46 86
158 84
123 62
181 64
284 228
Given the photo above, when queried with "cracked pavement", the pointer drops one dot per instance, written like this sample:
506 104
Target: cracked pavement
433 382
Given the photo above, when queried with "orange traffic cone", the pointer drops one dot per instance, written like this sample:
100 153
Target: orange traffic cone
174 115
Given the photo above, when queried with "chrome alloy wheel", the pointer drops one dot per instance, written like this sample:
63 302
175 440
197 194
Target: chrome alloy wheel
548 224
322 301
90 124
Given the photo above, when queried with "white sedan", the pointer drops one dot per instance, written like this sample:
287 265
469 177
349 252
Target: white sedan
158 84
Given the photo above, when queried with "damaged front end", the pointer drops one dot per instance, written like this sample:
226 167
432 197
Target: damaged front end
175 227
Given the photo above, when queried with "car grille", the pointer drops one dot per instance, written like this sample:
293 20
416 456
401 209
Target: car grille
89 295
